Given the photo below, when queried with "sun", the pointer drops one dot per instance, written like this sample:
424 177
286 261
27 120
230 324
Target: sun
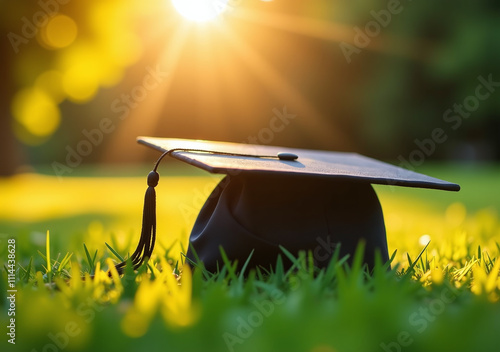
200 10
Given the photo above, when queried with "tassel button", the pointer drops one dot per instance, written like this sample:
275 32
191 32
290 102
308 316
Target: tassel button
153 178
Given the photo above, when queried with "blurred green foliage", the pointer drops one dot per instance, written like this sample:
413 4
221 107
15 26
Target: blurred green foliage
65 63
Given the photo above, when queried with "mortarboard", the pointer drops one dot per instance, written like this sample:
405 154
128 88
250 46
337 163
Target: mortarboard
276 196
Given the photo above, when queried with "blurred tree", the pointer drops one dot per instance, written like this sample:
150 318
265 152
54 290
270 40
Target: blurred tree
407 98
12 157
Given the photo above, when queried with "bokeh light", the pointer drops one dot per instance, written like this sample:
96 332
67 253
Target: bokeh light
37 113
424 240
59 32
249 58
79 83
82 71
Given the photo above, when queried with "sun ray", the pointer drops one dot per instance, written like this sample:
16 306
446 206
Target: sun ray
311 119
146 115
335 32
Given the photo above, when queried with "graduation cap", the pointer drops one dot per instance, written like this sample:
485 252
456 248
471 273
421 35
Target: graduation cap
275 196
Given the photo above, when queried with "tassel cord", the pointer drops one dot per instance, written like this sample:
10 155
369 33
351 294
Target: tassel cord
147 239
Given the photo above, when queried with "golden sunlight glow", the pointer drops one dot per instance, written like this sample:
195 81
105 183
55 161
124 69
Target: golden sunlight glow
281 87
49 198
200 10
327 30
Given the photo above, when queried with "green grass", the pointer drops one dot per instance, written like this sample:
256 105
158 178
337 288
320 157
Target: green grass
438 296
337 309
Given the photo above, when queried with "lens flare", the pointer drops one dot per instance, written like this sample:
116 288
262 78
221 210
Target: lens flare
200 10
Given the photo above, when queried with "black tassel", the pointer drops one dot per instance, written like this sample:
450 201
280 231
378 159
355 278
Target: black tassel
148 233
146 244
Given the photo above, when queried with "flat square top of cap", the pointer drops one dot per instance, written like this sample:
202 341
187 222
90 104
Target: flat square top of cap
259 159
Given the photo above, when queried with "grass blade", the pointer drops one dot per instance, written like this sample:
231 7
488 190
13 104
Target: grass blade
231 267
295 261
47 250
89 259
114 252
64 262
412 265
242 272
28 272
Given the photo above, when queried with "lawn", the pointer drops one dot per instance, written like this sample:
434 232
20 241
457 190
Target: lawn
441 297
